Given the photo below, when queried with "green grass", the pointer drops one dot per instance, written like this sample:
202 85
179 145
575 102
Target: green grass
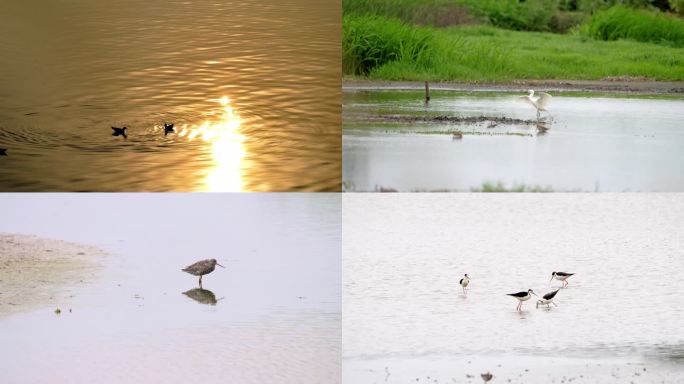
624 23
488 54
438 13
530 15
372 41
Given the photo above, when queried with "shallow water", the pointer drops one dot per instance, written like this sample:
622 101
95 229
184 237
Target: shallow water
276 314
404 254
70 70
599 143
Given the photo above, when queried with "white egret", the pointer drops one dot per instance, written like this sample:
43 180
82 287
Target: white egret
539 103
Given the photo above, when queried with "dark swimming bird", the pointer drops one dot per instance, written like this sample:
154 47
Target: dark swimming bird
202 296
522 296
548 299
202 268
168 129
464 282
562 276
3 151
119 132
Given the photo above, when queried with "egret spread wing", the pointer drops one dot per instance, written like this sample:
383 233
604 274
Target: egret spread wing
543 101
527 100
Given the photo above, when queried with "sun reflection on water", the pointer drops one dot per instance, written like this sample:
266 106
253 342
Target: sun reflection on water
227 148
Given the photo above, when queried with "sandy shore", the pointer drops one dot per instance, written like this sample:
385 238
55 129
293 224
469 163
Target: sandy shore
38 272
617 86
511 369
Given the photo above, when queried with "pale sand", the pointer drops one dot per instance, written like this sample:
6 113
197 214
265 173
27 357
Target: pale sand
512 369
42 272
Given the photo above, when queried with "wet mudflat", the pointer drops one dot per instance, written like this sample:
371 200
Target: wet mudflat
273 315
586 142
255 102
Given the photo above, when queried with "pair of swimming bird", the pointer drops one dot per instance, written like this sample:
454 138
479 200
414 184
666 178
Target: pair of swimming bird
526 295
168 128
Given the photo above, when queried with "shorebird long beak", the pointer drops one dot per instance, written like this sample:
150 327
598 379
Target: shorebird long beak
220 265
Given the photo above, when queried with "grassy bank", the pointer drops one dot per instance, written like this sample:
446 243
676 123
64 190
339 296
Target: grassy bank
486 54
624 23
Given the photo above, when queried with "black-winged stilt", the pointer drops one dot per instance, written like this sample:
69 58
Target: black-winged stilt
548 299
464 282
522 296
562 276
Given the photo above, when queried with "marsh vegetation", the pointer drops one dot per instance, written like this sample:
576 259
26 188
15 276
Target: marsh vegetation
490 41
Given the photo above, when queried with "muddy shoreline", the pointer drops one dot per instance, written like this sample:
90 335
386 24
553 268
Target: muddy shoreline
616 86
443 119
37 272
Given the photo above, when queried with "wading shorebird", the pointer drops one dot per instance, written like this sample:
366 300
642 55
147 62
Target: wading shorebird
168 129
548 299
202 268
522 296
119 132
464 282
562 276
539 103
486 376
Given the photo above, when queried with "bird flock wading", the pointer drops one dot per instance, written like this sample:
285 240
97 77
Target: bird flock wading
523 296
540 103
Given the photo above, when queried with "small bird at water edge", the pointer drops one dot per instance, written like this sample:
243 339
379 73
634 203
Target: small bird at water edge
201 268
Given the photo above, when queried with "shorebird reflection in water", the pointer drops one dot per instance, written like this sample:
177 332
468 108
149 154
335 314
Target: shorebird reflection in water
202 296
201 268
522 296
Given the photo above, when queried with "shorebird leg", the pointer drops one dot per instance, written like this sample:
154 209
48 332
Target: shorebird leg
554 304
200 281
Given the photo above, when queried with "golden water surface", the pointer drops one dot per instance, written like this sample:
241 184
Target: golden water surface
252 88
